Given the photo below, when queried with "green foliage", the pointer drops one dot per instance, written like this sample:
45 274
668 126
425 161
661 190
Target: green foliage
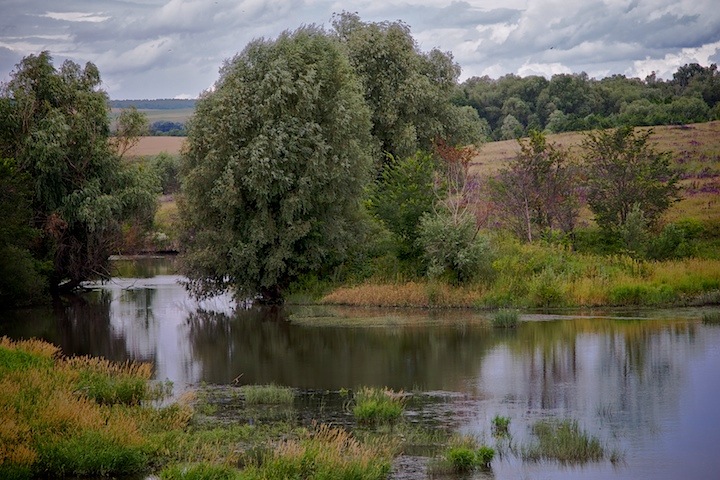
267 394
277 159
55 125
375 406
21 279
634 232
408 91
464 455
167 168
454 249
400 196
562 440
500 425
505 318
130 126
624 171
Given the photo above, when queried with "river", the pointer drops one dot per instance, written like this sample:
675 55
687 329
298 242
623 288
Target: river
647 383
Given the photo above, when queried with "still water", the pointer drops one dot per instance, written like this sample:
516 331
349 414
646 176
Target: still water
646 383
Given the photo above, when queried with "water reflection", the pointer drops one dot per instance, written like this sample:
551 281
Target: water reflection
646 386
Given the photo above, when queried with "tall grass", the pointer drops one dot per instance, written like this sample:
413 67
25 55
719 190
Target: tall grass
463 454
506 318
325 453
375 406
548 276
564 441
72 416
267 394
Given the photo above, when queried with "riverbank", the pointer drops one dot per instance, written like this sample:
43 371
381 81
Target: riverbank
533 276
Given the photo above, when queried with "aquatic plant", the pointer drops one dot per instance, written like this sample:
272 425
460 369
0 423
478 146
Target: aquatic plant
711 318
267 394
505 318
463 455
376 406
564 441
500 425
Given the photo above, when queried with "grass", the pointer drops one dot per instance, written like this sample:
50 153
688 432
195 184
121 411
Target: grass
267 395
500 425
505 318
711 318
543 276
374 406
463 455
564 441
75 416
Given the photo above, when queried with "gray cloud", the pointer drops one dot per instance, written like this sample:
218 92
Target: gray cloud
166 48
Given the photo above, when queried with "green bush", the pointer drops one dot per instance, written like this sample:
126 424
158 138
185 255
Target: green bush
453 249
642 294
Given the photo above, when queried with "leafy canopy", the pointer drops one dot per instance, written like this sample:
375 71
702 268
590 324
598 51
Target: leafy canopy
55 125
624 170
276 163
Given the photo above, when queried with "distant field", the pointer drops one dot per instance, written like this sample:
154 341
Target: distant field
696 156
177 115
696 150
148 146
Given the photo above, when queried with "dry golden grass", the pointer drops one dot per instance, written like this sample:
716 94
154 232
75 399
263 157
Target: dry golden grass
696 140
149 146
424 294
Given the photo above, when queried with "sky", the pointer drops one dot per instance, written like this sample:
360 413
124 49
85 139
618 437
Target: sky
174 48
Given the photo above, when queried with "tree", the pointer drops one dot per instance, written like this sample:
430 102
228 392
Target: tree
408 91
400 196
623 169
55 126
278 156
131 125
537 191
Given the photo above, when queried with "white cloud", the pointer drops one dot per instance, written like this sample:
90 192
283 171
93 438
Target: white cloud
666 66
77 16
170 47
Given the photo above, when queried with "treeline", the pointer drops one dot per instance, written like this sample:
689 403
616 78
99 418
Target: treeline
514 105
158 104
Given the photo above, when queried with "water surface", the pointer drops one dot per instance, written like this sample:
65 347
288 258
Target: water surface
646 383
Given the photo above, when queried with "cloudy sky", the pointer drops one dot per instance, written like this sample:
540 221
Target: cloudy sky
174 48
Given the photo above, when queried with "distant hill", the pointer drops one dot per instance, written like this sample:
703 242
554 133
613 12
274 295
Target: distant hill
157 104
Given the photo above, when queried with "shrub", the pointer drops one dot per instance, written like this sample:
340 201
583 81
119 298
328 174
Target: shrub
506 318
453 249
376 406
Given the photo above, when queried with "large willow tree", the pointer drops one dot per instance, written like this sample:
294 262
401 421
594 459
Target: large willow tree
55 129
276 161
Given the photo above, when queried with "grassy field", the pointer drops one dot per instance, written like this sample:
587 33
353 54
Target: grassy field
179 115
